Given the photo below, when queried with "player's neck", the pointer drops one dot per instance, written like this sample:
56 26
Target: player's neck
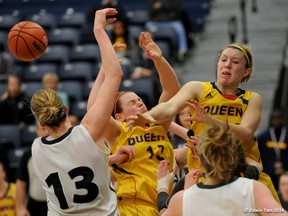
212 181
227 89
59 131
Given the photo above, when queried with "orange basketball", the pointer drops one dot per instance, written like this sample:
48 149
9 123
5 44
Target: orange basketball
27 41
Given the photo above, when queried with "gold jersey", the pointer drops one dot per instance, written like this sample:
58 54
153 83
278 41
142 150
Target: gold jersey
7 202
225 108
137 179
228 108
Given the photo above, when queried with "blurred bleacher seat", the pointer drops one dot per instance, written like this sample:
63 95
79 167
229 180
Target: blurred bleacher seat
3 39
10 135
28 134
138 16
55 53
64 36
165 33
73 88
7 21
85 52
72 19
79 108
29 88
35 72
79 70
47 20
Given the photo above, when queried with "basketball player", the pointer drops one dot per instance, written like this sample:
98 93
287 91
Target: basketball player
225 193
222 101
7 194
72 162
137 190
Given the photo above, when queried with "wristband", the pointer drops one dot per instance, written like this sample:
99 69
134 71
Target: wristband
165 182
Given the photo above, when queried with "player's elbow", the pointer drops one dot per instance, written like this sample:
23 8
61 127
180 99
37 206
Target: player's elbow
115 75
246 136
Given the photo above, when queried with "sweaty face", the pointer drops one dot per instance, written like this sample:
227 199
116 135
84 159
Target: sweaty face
231 67
131 104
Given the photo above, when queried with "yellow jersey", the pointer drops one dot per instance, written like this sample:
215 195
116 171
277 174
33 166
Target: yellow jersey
7 202
137 179
228 108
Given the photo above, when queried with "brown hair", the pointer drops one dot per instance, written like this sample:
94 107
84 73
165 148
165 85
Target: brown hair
220 152
6 94
117 105
48 108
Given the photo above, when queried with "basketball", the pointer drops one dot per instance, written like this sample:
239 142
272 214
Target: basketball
27 41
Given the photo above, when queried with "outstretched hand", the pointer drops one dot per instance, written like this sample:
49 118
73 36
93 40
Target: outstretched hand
123 154
200 114
192 142
101 21
140 119
150 48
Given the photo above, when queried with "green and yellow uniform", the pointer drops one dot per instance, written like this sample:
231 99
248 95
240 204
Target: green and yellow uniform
137 179
228 108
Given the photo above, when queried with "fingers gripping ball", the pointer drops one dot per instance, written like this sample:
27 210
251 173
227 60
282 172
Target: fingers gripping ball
27 41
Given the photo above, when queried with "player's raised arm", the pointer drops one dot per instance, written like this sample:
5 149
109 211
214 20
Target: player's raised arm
101 109
167 75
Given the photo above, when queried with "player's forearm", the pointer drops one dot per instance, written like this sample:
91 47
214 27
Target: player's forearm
20 195
168 79
162 112
178 130
95 88
109 58
241 132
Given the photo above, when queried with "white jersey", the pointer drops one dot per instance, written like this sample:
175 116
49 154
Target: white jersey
74 173
234 198
35 190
